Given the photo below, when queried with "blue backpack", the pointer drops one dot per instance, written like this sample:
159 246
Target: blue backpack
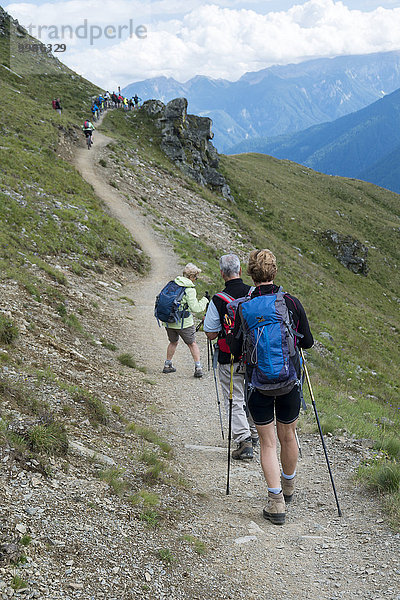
271 357
168 308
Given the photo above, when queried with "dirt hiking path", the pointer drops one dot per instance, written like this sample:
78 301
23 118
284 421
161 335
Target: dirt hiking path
316 554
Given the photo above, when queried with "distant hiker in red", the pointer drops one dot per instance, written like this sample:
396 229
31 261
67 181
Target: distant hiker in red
58 106
54 104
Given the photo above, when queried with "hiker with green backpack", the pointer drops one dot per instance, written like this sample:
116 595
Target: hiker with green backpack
174 307
269 329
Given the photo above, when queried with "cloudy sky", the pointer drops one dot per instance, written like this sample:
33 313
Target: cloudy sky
116 42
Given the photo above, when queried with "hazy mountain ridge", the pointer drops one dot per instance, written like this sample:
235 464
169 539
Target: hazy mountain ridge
362 145
281 99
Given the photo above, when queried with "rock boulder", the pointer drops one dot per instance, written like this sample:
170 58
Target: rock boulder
186 140
349 251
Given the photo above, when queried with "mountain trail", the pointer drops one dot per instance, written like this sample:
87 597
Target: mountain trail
315 555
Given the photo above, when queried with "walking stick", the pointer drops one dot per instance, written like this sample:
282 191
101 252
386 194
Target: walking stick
230 426
208 353
298 444
320 432
214 358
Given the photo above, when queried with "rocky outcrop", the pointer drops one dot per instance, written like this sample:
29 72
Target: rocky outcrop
186 140
6 21
349 251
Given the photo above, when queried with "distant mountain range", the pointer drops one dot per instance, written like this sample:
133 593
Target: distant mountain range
363 145
280 99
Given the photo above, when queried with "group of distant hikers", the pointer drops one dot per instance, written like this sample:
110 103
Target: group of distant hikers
99 104
113 100
259 332
102 103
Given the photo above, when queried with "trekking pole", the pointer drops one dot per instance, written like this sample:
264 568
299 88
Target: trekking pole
298 444
214 358
320 431
230 426
208 354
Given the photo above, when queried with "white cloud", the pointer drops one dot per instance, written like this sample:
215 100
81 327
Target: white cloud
213 40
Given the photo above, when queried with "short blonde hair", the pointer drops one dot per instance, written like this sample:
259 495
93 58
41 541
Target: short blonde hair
191 269
262 266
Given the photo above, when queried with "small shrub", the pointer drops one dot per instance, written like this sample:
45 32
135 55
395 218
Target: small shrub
113 477
198 546
8 330
151 436
166 555
4 357
156 466
127 300
17 583
77 268
61 309
102 162
25 540
150 517
96 410
49 439
73 323
114 184
145 497
109 345
19 397
127 360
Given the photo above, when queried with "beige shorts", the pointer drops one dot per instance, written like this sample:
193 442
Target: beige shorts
188 334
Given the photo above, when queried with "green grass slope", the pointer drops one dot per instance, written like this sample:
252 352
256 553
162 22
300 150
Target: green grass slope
46 210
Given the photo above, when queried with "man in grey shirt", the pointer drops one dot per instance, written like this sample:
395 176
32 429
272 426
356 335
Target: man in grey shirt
243 429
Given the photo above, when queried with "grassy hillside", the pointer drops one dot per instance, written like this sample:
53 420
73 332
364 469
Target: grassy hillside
47 212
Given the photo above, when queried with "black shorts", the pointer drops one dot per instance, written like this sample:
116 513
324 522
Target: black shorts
287 407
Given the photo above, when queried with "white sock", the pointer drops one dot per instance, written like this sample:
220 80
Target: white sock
275 490
288 476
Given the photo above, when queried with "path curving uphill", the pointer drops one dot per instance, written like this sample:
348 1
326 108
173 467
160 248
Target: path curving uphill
315 555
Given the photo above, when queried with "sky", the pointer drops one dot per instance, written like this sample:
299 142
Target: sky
117 42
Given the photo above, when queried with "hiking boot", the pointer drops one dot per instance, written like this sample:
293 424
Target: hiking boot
255 441
244 451
275 511
198 372
168 369
288 486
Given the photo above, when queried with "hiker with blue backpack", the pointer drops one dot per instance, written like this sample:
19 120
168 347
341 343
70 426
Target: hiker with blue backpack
244 432
271 327
174 307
